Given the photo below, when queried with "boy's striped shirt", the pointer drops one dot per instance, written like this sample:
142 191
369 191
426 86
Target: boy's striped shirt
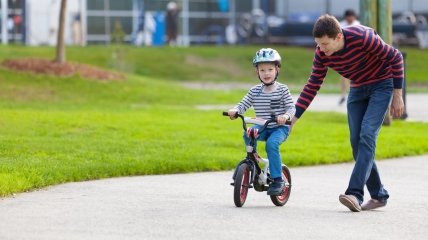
365 59
265 105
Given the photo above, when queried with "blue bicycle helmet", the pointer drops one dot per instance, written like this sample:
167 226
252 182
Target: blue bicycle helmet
267 55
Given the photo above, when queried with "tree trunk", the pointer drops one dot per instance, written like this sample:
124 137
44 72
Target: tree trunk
60 50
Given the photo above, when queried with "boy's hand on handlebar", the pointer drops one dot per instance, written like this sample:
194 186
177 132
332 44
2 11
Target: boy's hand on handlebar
232 113
281 120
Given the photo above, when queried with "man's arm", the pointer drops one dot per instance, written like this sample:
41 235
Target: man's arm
313 85
397 104
375 45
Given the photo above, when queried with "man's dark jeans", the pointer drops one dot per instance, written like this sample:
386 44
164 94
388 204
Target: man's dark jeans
367 106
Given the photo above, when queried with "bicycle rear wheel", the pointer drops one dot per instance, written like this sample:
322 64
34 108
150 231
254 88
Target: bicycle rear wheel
242 182
282 199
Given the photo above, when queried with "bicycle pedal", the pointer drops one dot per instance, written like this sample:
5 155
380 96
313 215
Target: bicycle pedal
250 186
232 184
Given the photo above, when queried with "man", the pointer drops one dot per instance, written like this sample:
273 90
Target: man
375 70
349 19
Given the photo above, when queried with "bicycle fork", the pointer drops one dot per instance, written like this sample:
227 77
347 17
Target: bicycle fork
254 169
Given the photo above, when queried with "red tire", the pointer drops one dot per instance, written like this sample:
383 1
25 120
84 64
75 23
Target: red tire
242 182
282 199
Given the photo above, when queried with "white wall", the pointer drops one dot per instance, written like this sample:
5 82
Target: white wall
42 21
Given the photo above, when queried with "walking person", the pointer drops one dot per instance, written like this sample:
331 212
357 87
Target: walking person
172 12
375 70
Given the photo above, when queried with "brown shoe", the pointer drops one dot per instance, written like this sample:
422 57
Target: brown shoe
351 202
373 204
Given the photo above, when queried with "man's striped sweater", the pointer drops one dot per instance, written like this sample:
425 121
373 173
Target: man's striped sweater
365 59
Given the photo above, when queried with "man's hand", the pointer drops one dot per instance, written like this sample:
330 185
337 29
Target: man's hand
397 105
281 120
293 121
232 113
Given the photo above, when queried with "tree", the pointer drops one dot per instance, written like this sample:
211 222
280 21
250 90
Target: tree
60 49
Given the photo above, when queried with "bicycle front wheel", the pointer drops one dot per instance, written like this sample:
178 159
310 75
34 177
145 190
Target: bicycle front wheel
241 185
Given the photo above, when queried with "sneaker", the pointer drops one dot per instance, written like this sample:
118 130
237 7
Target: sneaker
351 202
276 188
373 204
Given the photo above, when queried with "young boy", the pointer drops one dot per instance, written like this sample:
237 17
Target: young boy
269 98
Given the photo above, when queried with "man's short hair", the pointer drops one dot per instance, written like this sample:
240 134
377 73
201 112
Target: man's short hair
350 13
326 25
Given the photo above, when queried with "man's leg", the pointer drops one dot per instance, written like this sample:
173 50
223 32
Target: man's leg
382 94
357 106
364 170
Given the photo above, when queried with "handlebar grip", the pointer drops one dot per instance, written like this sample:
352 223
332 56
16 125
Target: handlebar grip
227 114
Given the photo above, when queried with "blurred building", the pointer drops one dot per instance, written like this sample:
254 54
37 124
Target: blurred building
35 22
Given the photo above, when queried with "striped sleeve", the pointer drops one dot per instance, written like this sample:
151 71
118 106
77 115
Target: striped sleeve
313 85
246 102
375 45
290 109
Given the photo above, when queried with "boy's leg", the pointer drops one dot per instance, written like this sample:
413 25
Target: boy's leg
364 134
277 136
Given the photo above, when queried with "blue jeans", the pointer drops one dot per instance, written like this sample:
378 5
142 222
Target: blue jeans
273 137
367 106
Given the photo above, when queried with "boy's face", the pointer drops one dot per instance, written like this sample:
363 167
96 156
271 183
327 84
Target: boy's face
330 45
267 72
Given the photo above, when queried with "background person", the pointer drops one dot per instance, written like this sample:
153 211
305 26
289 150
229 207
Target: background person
172 23
350 18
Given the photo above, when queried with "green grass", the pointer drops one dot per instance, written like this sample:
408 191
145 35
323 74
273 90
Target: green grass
55 130
44 147
209 64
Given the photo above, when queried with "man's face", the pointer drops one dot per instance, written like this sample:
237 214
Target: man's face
350 19
329 45
267 72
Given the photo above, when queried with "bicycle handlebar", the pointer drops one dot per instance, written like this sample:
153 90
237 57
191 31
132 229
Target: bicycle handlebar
244 123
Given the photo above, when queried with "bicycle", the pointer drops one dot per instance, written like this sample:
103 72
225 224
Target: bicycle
248 173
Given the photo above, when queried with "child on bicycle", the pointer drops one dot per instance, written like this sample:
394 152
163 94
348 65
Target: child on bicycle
270 98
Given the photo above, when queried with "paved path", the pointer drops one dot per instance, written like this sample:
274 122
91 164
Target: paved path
200 206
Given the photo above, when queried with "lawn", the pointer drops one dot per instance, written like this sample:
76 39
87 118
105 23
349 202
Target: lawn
210 64
56 130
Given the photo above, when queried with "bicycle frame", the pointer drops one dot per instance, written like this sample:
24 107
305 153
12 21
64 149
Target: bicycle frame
251 159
